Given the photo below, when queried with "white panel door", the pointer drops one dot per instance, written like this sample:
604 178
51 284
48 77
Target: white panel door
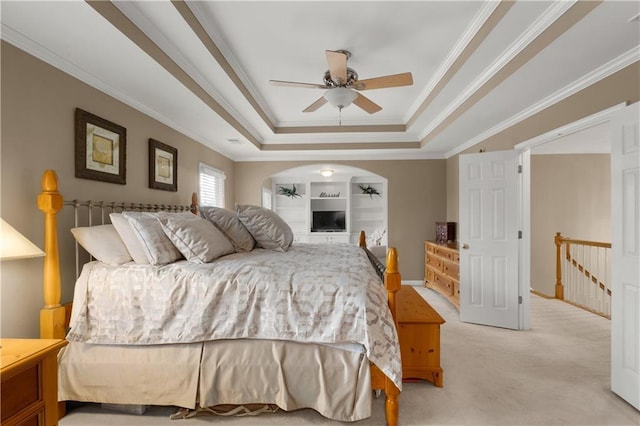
625 254
489 205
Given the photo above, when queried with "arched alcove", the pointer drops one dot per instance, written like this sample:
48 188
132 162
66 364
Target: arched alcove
330 203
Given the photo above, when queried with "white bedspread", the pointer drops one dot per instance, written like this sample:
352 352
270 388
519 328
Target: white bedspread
312 293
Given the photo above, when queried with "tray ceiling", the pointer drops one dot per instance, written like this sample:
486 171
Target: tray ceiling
203 67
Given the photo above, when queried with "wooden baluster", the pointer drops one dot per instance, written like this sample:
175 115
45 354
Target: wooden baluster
52 316
559 288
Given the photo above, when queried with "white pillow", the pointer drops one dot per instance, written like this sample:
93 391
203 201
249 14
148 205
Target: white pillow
268 229
199 240
134 247
103 243
228 222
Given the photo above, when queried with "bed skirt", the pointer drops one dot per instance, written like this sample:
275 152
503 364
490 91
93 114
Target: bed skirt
334 381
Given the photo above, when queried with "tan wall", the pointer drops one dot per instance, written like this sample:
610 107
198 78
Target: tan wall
38 103
417 191
570 194
623 86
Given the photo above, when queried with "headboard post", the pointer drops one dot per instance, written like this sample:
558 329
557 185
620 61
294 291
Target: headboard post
194 204
52 315
392 279
362 240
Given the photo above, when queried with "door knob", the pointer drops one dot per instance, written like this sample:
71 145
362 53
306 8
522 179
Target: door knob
465 246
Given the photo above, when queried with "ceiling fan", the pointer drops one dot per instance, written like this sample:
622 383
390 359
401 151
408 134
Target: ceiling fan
343 86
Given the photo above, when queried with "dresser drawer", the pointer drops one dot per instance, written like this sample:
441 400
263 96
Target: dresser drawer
444 284
20 391
429 275
452 270
436 263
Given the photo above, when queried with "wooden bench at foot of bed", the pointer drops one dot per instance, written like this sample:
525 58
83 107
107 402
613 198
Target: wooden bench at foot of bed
54 316
419 335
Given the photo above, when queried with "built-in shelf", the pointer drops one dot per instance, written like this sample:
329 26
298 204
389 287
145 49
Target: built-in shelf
333 196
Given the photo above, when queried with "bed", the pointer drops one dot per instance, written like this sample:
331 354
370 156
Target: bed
301 326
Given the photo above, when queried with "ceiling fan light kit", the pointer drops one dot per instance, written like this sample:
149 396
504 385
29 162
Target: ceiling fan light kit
340 97
342 82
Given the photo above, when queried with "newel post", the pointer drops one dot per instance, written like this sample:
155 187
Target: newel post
52 316
559 288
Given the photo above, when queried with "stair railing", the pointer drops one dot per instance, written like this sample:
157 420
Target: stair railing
583 274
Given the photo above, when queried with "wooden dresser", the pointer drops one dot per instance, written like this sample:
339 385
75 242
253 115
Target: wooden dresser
419 335
29 381
442 269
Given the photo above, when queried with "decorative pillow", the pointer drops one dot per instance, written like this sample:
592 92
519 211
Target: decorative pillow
156 245
103 243
228 222
199 240
130 237
268 229
131 242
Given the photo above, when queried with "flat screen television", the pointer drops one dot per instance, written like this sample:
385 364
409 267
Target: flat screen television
328 221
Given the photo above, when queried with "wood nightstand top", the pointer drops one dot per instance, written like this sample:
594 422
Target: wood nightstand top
18 351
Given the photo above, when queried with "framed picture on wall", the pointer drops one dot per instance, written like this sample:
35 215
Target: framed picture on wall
163 166
100 149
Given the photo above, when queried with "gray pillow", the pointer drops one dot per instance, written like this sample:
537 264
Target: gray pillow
198 240
268 229
228 222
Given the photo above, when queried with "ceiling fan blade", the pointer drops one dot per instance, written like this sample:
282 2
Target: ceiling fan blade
337 66
296 84
314 106
367 104
395 80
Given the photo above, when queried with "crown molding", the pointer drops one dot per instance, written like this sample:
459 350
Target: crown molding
553 12
606 70
461 45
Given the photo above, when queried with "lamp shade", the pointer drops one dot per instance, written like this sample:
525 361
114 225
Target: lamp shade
15 245
340 97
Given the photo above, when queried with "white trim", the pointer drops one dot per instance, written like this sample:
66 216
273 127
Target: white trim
596 75
472 30
584 123
524 244
553 12
415 283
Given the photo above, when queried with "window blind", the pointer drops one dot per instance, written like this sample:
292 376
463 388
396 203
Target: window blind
211 186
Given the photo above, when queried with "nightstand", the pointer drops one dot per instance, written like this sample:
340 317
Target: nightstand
29 381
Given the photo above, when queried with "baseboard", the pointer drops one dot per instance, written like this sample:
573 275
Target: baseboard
417 283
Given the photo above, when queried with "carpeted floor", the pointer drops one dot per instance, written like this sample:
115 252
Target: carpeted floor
557 373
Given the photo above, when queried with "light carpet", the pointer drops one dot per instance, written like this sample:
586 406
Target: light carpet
557 373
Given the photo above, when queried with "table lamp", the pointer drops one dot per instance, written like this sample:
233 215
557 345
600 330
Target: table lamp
15 245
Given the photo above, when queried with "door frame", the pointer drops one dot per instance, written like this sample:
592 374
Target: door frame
524 148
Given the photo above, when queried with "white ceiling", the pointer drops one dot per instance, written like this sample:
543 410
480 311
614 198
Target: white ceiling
203 67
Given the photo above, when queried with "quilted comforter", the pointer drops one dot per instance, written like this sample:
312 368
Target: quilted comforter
312 293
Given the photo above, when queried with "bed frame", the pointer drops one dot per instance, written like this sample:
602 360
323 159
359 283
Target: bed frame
54 316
